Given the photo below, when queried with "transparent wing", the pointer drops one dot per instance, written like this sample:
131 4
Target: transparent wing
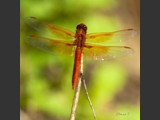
111 45
100 52
49 30
51 46
111 38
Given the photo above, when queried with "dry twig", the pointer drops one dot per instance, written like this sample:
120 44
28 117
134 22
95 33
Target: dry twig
77 92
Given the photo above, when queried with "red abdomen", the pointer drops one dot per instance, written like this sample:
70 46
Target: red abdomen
77 65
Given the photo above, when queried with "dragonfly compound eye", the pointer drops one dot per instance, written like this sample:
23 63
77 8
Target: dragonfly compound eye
82 26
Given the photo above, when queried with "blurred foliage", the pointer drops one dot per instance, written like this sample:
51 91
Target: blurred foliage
45 84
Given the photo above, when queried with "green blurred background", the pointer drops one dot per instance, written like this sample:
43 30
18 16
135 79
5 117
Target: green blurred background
45 79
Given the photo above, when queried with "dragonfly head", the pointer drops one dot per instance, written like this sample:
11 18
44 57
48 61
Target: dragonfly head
82 28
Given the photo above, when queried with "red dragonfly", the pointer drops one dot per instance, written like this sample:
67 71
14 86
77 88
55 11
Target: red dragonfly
101 46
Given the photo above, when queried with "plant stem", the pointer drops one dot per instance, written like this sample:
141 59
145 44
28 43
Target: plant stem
77 92
89 100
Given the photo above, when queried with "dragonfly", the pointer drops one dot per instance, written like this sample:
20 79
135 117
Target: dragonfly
99 46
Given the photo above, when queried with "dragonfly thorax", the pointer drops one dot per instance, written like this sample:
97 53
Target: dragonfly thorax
80 39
